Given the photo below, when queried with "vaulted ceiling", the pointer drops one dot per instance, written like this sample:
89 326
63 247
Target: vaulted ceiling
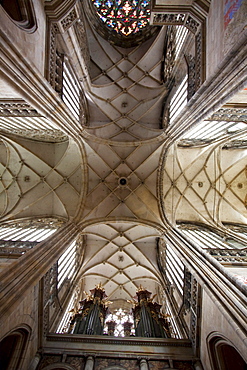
121 211
120 181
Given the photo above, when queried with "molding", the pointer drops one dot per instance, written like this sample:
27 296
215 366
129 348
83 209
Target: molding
176 19
131 347
199 8
140 341
16 108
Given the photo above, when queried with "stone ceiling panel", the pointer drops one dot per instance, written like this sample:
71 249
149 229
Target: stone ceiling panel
34 185
207 186
118 263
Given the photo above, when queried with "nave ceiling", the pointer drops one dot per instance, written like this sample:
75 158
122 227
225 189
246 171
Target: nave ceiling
121 180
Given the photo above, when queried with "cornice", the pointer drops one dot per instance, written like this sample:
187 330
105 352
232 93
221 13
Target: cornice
115 347
57 9
132 341
198 9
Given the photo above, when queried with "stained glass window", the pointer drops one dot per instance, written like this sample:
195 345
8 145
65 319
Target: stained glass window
119 317
126 17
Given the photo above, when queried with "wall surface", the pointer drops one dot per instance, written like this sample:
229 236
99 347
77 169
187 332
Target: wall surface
216 320
30 45
24 315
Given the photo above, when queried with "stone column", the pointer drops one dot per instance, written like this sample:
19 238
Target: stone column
89 363
197 365
34 363
143 364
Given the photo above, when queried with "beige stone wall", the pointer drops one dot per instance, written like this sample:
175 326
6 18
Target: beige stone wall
31 46
24 315
215 319
214 38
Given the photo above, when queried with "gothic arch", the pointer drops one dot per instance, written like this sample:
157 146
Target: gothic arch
21 13
223 354
13 347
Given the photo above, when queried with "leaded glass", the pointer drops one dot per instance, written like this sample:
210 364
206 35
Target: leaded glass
120 317
126 17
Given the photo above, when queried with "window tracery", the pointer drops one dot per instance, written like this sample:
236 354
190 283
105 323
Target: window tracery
126 17
120 317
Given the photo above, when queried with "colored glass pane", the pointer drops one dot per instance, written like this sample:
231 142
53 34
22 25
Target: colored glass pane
126 17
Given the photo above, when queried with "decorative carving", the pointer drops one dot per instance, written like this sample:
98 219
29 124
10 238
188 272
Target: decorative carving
58 74
102 363
17 109
182 19
194 312
235 144
76 362
194 142
46 300
187 291
198 59
54 30
166 117
230 114
148 320
46 222
116 341
229 255
191 24
192 83
169 18
158 364
82 39
18 248
169 54
183 365
48 360
67 21
40 135
90 317
13 251
194 64
53 282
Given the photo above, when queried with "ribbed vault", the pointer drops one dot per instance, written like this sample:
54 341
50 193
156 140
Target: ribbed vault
126 94
123 256
39 179
205 184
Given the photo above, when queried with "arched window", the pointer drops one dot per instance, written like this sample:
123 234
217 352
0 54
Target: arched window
226 248
125 17
21 13
223 355
12 349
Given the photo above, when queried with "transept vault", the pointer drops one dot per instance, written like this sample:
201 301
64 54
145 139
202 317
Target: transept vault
123 175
